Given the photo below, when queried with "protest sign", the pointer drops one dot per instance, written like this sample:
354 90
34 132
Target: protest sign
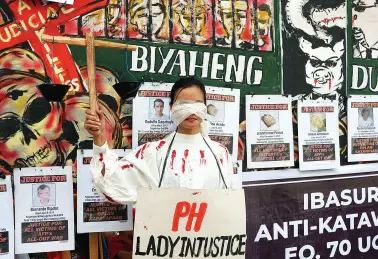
270 131
151 113
322 217
362 128
318 134
44 209
93 213
6 219
190 224
223 117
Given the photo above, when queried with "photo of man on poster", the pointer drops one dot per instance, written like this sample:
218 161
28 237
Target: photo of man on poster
42 196
158 110
366 118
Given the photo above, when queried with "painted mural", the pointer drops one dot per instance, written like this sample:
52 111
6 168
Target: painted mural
226 43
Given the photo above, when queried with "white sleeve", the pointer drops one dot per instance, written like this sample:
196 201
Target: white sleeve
123 177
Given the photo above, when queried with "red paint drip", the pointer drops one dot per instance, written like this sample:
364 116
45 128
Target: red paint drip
161 144
109 199
141 152
202 160
127 166
101 157
173 158
195 193
186 154
221 160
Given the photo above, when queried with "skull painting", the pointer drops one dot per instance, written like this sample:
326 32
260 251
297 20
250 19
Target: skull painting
324 67
30 127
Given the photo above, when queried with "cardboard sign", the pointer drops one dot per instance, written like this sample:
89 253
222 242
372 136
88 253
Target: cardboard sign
321 217
318 134
269 131
182 223
6 219
93 213
44 209
362 128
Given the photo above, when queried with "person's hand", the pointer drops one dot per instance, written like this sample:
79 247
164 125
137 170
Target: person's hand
95 125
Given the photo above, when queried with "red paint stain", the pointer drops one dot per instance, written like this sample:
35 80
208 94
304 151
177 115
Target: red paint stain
161 144
202 160
315 81
221 160
101 157
225 149
173 156
186 154
195 193
329 84
52 118
109 199
145 227
141 152
127 166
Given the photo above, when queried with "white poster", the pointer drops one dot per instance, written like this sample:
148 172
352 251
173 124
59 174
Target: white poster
63 1
93 213
44 211
318 134
223 105
6 219
190 224
362 128
269 131
151 113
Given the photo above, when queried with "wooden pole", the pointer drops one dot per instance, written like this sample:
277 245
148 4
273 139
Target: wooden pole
83 42
91 66
93 245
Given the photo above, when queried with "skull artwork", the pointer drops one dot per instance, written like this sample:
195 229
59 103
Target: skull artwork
30 127
324 68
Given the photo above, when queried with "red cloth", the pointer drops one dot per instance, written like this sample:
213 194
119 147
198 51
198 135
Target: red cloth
116 244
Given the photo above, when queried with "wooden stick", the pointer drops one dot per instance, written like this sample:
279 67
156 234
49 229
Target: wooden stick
82 42
93 245
100 244
91 66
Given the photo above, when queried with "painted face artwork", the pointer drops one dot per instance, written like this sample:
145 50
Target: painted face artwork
324 68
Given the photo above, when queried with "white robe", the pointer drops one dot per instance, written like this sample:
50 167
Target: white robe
190 164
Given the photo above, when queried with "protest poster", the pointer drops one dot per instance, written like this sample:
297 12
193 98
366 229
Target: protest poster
313 218
270 131
94 214
44 211
151 113
318 134
362 128
190 224
223 117
6 219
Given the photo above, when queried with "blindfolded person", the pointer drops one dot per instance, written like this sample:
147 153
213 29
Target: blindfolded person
187 158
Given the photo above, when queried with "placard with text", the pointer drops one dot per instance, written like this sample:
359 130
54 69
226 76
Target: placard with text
44 211
190 224
318 134
93 213
362 128
6 219
317 218
269 131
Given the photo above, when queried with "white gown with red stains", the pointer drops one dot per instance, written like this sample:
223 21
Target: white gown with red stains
190 164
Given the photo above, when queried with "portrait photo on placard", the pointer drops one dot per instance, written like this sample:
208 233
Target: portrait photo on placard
215 111
44 194
365 117
269 120
158 109
318 122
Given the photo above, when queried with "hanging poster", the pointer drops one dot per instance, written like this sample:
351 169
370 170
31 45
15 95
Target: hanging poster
321 217
223 117
318 133
190 224
269 131
362 128
151 113
6 219
44 212
93 213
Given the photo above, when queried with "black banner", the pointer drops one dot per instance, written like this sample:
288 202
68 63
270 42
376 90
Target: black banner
103 211
4 242
270 152
313 219
45 231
